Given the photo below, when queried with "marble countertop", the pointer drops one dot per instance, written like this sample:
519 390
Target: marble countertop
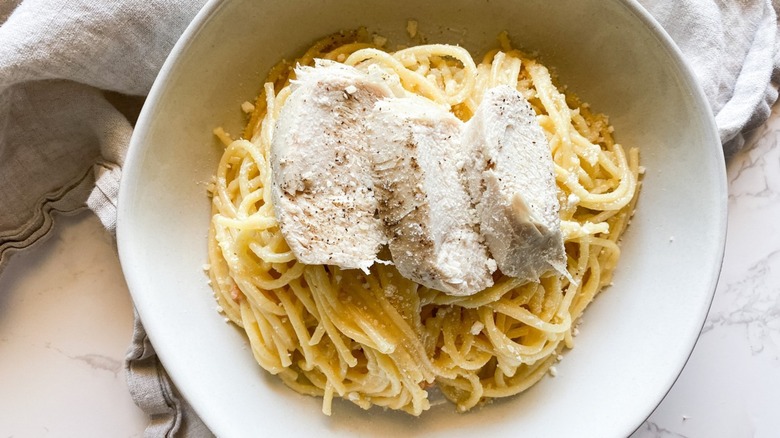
66 320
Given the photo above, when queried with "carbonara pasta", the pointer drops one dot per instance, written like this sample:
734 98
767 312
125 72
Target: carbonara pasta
378 338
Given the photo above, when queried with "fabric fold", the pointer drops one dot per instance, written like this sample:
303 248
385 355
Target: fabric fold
169 414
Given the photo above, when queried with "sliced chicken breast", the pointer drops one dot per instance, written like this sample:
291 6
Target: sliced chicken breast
513 186
431 223
323 190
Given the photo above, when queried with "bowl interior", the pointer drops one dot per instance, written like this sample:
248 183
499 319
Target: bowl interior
635 337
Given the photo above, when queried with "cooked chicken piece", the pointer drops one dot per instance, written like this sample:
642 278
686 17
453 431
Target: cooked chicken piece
323 191
431 223
513 186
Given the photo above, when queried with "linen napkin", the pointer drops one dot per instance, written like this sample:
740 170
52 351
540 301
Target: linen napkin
73 74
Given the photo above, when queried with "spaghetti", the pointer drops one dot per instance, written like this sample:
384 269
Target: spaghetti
378 338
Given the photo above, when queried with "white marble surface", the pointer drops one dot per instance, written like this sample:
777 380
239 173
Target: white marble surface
66 320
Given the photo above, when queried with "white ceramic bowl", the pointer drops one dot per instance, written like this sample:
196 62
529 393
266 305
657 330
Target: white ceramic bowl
636 336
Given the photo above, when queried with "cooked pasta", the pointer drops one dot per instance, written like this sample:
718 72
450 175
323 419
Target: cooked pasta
377 338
